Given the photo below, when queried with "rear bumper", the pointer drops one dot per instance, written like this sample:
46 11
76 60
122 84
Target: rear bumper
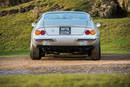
65 42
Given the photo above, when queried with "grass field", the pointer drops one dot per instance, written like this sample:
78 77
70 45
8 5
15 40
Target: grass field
115 35
61 80
15 34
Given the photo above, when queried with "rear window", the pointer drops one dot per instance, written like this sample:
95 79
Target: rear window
65 16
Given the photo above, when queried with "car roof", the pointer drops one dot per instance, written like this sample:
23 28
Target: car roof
65 12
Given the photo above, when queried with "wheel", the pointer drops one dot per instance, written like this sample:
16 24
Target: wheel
95 53
35 53
42 52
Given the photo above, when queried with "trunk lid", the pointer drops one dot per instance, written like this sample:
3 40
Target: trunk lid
75 27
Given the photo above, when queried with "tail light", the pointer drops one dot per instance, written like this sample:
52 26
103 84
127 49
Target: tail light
42 32
87 32
92 32
37 32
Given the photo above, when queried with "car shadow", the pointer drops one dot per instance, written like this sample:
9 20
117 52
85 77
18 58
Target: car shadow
85 57
66 57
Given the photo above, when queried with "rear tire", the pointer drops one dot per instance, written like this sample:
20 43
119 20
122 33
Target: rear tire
35 53
95 53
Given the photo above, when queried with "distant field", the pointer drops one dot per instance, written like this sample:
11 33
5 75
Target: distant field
75 80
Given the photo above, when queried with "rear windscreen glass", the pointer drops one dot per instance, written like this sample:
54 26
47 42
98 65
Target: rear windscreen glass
65 16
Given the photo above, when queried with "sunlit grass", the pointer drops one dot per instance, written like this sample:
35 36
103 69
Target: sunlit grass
66 80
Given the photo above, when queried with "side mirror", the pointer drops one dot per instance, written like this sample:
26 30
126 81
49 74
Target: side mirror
98 24
33 24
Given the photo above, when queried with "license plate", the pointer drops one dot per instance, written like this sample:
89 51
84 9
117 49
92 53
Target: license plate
65 31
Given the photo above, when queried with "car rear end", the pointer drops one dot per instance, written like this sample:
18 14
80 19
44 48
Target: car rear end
61 32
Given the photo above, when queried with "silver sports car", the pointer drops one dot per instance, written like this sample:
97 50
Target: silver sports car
65 32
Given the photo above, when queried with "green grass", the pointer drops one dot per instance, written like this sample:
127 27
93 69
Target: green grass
76 5
15 34
75 80
115 35
15 53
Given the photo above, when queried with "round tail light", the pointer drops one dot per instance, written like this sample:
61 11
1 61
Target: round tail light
92 32
87 32
37 32
42 32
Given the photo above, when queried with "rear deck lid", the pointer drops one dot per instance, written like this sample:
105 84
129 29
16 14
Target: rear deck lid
65 27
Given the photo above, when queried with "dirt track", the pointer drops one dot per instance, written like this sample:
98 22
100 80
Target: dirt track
65 64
